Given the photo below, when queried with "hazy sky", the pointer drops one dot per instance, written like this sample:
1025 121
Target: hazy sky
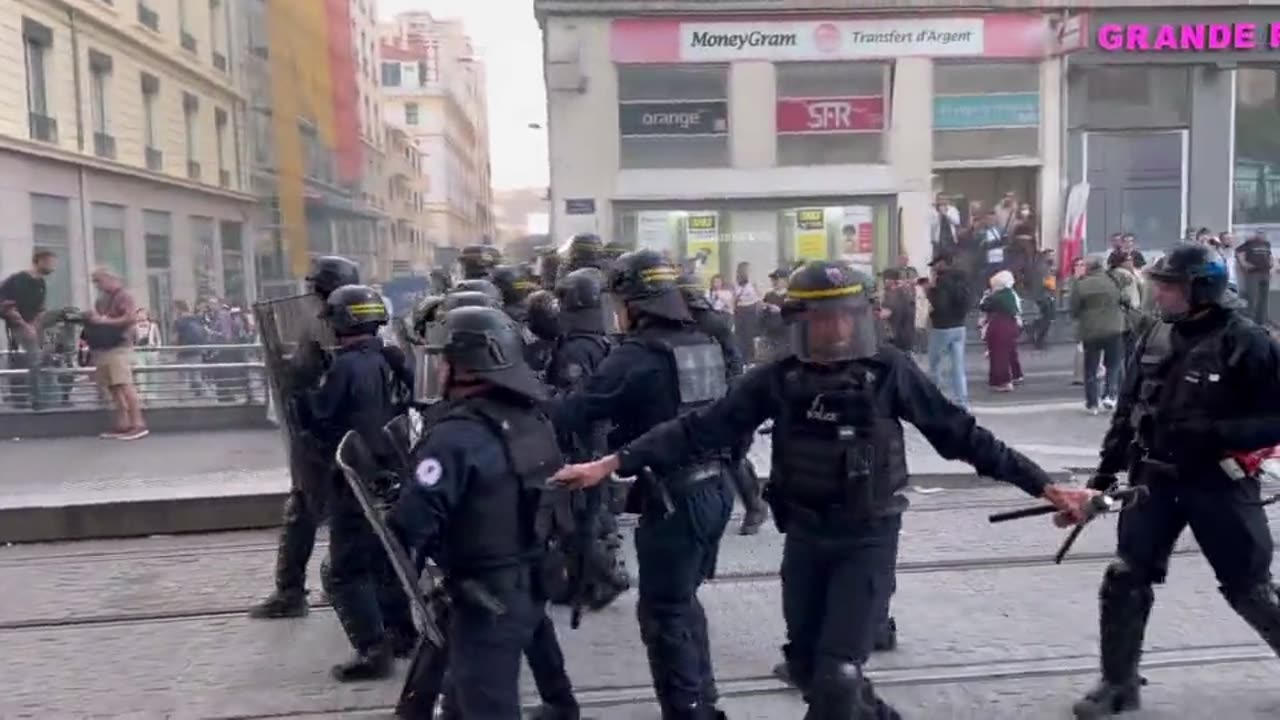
508 38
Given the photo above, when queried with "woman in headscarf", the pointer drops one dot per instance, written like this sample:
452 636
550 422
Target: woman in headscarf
1004 324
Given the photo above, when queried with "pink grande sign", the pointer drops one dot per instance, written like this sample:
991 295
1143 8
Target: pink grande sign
1197 37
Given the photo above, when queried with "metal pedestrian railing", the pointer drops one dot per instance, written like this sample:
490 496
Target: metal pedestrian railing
170 385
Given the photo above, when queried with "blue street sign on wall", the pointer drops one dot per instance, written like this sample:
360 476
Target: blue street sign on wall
990 110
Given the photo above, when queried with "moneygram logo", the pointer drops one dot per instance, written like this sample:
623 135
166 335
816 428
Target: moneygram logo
742 40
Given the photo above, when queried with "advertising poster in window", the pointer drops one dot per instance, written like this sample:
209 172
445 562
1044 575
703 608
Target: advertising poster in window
655 230
858 238
703 243
811 234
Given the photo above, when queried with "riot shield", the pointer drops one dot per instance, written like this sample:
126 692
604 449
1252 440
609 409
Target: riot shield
425 680
426 388
610 304
294 342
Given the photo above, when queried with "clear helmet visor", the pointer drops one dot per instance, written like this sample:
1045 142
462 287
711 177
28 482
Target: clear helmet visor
610 306
833 332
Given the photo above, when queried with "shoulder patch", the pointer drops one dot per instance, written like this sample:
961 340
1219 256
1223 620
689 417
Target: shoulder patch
429 472
574 371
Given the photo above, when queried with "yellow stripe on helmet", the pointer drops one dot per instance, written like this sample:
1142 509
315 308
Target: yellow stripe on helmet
366 308
659 273
825 294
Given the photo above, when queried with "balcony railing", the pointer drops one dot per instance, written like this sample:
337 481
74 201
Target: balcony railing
104 146
220 61
193 169
148 17
155 160
43 127
188 41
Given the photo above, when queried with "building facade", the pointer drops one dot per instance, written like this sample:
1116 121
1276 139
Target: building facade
407 187
1174 121
433 86
120 146
309 154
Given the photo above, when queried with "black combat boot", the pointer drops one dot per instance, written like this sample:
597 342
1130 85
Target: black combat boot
886 636
373 664
281 604
1124 604
1260 607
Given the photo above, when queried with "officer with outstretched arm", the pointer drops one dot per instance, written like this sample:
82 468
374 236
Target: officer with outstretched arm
839 469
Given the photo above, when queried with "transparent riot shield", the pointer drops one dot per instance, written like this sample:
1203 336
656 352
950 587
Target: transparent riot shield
611 304
425 680
426 388
295 346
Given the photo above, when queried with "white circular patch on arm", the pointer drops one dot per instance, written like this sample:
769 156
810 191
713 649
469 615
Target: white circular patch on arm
429 472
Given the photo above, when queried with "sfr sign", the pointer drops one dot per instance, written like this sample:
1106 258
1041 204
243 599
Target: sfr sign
830 115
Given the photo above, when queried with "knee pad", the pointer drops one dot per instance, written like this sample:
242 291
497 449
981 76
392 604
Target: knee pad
1121 579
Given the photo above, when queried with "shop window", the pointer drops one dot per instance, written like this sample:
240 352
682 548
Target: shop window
1135 96
831 113
205 264
1257 160
673 115
986 111
108 238
51 230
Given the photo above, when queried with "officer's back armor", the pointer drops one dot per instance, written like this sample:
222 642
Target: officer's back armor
831 450
1172 382
495 525
698 366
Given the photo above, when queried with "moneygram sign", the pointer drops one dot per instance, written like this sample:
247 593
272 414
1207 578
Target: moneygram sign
695 41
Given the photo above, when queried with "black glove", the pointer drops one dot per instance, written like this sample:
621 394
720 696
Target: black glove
1101 482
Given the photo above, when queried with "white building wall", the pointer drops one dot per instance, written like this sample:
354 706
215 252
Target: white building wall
911 153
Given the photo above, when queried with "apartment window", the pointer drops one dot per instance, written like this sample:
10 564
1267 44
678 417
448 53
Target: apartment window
364 57
191 120
215 43
673 115
391 74
1120 97
147 17
108 238
157 229
411 113
260 126
184 29
37 40
104 145
150 100
50 230
220 137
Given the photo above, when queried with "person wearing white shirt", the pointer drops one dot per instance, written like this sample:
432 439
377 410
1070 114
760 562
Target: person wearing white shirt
944 225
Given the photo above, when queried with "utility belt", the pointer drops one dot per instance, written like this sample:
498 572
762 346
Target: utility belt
495 577
789 512
653 490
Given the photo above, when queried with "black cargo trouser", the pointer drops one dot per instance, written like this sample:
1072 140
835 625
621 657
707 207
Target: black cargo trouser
676 552
485 649
837 579
304 511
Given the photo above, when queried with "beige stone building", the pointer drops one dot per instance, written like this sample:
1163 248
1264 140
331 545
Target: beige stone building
433 86
405 202
119 146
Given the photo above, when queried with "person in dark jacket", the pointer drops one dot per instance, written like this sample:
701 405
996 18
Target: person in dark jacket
948 294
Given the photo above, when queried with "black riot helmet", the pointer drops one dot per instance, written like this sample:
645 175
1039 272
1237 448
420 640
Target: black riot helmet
543 317
548 267
479 285
612 251
585 250
1199 270
829 307
694 291
645 284
514 282
355 310
467 298
478 260
584 306
425 312
485 343
330 272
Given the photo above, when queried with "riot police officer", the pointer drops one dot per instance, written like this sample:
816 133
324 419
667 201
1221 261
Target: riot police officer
474 495
367 384
514 283
585 251
477 260
664 367
1202 384
720 327
311 471
479 285
839 467
577 353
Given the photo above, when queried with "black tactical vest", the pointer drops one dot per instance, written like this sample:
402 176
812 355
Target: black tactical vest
832 450
496 524
697 363
1190 382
